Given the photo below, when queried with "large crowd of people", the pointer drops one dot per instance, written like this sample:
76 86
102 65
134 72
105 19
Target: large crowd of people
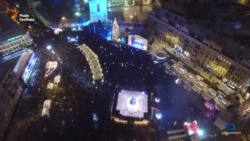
76 98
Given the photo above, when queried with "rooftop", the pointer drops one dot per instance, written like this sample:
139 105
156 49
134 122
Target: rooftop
6 66
132 103
144 32
227 25
8 28
16 64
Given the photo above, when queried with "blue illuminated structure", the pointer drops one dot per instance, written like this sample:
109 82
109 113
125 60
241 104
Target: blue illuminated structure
108 37
200 132
29 69
230 126
137 42
158 115
95 117
98 10
132 101
14 38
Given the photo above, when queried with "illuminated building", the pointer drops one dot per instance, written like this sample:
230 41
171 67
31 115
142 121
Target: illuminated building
219 54
137 42
120 3
115 31
12 37
15 73
140 37
98 10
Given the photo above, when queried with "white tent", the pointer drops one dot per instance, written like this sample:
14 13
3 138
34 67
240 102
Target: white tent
57 79
50 85
46 107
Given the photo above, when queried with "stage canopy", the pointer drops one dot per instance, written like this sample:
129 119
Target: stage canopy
132 103
46 107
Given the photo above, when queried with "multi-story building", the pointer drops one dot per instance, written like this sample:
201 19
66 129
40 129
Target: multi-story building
217 53
15 74
12 37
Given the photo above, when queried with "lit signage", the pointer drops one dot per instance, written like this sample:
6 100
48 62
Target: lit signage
137 42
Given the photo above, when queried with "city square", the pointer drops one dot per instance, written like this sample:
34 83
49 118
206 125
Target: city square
108 80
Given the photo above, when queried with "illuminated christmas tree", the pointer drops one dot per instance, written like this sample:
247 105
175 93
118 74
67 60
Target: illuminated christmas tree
115 31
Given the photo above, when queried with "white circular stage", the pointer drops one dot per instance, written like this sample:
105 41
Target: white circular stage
159 56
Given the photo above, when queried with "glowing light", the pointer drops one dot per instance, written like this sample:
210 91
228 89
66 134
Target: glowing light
63 18
200 132
108 37
86 23
28 69
50 67
178 81
137 42
57 30
192 127
98 10
158 115
46 107
14 38
49 47
15 13
78 14
123 40
115 31
95 117
157 100
57 79
173 39
218 68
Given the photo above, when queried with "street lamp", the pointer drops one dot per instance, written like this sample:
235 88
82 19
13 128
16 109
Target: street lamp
48 47
77 14
63 18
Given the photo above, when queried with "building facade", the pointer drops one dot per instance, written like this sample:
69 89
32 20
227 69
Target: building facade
12 37
215 53
15 74
98 10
